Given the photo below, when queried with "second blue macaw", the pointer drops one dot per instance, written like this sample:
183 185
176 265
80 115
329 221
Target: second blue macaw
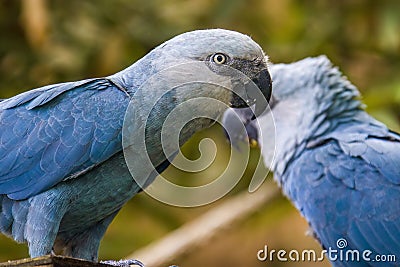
339 166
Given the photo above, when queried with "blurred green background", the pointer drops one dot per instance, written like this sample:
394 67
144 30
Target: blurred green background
46 42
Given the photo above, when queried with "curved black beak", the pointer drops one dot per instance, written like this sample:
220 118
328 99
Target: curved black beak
263 93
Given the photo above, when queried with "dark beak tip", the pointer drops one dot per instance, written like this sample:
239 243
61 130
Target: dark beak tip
264 84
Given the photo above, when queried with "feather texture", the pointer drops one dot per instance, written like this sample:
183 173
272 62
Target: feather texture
339 166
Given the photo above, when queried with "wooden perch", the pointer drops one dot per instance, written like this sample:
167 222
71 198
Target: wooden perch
53 261
200 231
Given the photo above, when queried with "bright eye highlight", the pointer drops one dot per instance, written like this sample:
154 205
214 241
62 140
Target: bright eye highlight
219 58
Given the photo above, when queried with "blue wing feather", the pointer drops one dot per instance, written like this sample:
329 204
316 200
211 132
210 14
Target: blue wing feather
42 95
349 194
57 131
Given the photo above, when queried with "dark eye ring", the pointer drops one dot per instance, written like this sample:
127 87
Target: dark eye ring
219 58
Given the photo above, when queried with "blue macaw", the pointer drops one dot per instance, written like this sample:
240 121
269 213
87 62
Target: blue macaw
63 176
339 166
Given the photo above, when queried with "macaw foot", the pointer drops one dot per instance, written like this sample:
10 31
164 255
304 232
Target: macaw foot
124 263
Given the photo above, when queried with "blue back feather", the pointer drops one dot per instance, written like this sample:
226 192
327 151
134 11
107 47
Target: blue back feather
51 133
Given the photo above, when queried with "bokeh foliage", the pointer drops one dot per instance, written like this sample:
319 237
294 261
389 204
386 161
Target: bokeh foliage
46 42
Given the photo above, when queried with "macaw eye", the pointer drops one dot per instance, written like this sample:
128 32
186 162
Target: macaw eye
219 58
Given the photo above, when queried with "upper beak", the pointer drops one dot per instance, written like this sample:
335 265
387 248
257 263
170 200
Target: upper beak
262 94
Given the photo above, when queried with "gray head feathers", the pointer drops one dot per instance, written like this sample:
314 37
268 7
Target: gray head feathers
201 43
